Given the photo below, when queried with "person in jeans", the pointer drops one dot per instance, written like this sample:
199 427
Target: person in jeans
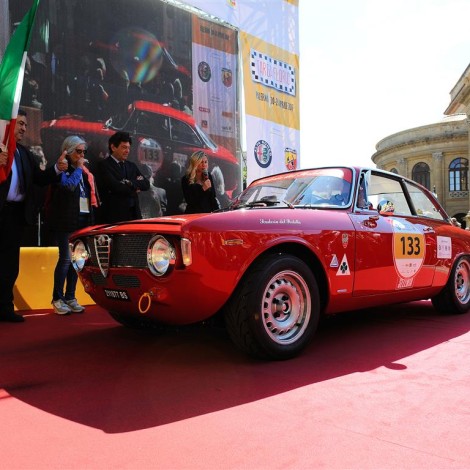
69 207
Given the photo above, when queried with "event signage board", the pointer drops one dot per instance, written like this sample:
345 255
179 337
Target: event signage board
226 73
269 48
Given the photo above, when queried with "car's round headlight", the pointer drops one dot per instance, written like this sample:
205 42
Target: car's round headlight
160 255
80 255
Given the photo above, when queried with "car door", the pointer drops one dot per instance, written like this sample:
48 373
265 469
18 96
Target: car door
395 248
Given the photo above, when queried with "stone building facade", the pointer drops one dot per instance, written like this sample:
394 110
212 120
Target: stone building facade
436 155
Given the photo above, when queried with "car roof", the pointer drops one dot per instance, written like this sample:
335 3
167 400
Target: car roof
162 109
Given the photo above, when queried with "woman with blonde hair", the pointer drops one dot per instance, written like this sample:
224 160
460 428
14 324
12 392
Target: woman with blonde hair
198 186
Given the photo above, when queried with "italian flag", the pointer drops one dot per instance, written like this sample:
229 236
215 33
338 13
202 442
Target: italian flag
11 84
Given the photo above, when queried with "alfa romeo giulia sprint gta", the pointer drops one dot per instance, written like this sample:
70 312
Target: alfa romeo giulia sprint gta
290 248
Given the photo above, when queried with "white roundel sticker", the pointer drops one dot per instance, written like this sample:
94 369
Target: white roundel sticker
409 248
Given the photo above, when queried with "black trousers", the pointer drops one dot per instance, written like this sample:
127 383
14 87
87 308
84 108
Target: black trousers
12 223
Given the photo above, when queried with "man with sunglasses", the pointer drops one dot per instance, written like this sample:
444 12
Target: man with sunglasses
17 209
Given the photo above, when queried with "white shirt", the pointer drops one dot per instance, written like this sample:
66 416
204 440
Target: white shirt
13 193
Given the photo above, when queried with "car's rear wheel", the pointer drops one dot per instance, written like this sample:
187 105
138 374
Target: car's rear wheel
275 309
455 297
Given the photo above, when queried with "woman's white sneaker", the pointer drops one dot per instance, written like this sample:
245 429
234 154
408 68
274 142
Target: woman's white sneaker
74 306
60 307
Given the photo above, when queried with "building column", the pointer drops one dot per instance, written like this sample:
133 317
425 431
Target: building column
439 175
403 167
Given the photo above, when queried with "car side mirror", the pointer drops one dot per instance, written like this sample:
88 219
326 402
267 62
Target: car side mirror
386 207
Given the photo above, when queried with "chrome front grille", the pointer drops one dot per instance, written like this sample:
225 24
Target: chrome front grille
102 245
130 250
119 250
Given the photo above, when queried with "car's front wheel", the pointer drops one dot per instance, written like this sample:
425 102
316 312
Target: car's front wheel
455 297
275 309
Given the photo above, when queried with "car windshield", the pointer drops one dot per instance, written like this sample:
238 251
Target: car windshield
207 140
320 188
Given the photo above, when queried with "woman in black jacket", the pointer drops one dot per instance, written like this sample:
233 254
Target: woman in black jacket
198 186
69 207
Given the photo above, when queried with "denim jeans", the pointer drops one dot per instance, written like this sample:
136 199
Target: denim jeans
64 271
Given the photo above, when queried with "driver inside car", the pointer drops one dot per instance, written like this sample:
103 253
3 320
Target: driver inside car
338 190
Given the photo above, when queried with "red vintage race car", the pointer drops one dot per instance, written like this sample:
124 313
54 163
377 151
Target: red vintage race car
162 135
290 248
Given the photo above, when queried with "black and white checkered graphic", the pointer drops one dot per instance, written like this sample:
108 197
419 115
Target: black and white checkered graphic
260 60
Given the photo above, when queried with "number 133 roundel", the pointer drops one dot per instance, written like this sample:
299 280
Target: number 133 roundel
409 248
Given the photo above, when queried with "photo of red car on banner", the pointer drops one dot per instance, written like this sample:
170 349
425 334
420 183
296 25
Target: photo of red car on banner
134 73
162 135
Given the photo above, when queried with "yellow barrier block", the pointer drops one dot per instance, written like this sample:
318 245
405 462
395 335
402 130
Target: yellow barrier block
33 288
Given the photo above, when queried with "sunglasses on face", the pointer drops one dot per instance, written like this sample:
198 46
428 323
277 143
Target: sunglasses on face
81 151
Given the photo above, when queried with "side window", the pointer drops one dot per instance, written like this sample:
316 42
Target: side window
423 205
181 132
382 190
144 124
153 125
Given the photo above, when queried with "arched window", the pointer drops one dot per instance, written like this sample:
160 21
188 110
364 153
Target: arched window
421 174
458 175
394 170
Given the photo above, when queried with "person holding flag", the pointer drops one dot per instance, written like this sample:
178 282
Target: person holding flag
18 168
17 208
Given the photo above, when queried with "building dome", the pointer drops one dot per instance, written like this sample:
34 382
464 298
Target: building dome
434 155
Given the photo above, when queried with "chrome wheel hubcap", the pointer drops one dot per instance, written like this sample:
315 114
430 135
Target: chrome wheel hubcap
286 307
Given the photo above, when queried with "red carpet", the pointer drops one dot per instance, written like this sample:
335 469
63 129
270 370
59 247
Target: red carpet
380 389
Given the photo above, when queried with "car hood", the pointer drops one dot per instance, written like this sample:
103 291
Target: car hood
253 220
78 125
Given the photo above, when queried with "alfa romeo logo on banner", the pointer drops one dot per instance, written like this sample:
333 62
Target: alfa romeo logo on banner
263 154
204 71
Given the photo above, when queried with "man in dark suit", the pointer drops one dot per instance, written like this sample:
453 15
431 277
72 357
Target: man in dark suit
119 182
17 209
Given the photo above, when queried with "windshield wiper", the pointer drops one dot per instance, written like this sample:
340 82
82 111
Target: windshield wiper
263 202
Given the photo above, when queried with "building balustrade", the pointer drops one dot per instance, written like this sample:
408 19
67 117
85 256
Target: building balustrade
458 194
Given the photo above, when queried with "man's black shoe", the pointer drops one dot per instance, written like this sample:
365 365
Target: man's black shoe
12 317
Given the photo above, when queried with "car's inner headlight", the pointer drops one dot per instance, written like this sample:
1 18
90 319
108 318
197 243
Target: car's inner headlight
80 254
160 255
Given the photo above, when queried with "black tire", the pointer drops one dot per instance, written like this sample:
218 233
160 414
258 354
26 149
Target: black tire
275 310
455 297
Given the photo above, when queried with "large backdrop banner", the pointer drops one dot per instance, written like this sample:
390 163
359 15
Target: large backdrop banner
217 75
269 51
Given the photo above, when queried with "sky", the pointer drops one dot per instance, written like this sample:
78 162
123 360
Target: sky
371 68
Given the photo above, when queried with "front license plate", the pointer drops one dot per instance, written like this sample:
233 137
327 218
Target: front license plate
116 294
